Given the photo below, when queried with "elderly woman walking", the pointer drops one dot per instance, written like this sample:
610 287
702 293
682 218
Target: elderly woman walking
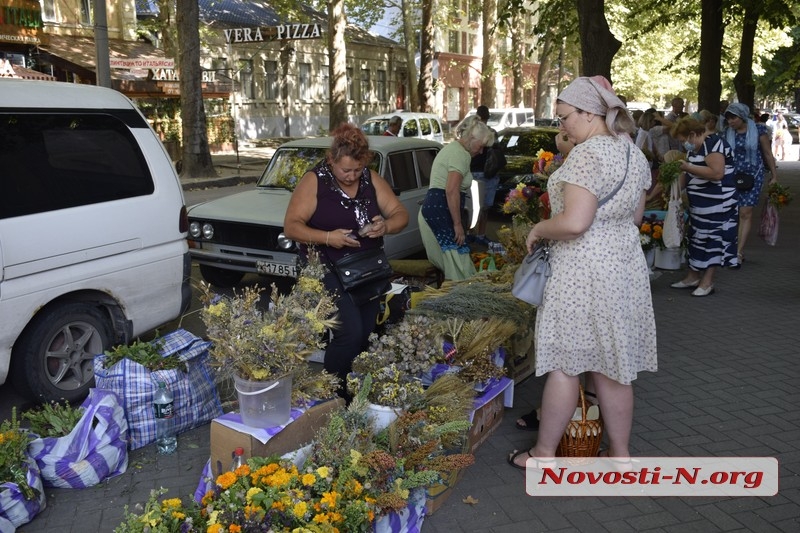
597 313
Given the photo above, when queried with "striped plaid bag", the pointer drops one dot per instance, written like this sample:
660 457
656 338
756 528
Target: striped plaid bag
15 508
196 401
95 449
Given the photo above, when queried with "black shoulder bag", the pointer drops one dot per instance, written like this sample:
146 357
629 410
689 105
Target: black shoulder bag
365 274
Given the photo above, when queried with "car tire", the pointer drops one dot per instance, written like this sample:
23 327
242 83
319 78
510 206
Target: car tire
220 277
53 359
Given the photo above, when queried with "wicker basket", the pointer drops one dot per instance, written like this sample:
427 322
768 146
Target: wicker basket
582 438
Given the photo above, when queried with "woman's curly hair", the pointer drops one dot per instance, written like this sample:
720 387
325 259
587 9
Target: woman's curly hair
349 141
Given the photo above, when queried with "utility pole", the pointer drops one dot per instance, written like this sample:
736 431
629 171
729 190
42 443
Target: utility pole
102 62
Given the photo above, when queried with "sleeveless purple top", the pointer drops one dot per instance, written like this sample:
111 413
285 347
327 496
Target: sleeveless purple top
336 210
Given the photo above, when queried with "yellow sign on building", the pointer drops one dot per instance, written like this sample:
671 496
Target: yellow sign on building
20 21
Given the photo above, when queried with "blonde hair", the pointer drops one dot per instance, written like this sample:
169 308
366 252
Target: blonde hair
674 155
474 128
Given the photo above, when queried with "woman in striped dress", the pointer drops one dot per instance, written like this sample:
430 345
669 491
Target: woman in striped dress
713 204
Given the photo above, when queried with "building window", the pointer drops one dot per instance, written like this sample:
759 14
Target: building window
271 80
472 43
304 82
475 8
49 10
86 12
246 77
366 93
350 89
453 42
380 86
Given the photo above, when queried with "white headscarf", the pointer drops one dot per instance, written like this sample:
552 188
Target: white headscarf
587 94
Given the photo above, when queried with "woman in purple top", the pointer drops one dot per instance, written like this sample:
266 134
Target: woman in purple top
329 206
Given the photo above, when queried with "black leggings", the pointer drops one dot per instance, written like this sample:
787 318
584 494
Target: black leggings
351 336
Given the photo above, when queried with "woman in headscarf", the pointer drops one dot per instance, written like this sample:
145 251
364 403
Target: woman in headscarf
597 313
752 149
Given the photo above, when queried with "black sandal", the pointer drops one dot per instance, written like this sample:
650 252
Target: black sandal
531 422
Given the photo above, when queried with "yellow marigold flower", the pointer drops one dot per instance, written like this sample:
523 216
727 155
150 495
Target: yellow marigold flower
321 518
252 492
179 515
300 509
242 471
226 480
645 228
214 528
323 472
235 528
329 499
171 502
279 505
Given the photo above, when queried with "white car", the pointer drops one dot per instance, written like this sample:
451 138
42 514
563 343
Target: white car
93 248
243 233
414 125
505 117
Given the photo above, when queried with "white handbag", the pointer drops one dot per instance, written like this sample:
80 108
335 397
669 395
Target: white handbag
673 235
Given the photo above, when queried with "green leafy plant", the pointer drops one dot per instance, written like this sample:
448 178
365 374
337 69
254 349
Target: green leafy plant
13 455
146 354
53 419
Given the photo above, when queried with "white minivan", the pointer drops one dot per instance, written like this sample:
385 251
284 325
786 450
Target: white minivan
414 125
93 248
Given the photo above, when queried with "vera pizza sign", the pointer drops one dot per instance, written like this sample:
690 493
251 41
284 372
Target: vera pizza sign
273 33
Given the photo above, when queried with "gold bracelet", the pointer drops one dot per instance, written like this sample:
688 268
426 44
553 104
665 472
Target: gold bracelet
327 236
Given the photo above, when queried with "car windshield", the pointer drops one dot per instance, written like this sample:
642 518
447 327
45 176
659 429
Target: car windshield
375 126
495 119
289 164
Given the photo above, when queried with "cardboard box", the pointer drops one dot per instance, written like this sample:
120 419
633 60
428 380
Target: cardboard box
225 440
520 362
439 493
484 422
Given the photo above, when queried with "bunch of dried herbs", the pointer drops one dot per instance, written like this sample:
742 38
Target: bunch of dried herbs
53 419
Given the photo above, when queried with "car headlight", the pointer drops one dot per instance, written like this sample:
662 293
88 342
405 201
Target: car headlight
284 243
208 231
194 230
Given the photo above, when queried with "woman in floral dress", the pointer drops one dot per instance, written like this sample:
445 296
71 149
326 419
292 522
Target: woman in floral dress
597 313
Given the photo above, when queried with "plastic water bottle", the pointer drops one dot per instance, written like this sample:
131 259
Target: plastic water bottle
166 440
238 458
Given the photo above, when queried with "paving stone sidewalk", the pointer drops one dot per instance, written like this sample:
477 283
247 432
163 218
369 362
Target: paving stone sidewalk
726 386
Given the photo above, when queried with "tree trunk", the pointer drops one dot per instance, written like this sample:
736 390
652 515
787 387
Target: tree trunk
489 63
196 161
426 97
709 85
598 44
411 52
166 25
338 63
517 55
543 107
743 81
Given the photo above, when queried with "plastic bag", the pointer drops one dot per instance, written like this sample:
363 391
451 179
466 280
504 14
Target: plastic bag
95 449
769 224
196 398
15 509
672 235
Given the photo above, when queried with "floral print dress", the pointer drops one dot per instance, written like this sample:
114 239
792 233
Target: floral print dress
597 313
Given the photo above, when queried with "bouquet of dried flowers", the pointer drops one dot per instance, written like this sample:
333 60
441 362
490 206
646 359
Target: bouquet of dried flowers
388 386
778 195
522 202
261 344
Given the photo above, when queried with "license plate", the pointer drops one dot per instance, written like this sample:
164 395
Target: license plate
276 269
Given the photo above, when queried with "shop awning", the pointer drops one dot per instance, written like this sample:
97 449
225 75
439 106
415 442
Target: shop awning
77 54
7 70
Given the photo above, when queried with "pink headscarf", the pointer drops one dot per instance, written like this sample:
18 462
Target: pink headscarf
596 96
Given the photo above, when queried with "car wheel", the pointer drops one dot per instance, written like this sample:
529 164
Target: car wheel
54 358
222 278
